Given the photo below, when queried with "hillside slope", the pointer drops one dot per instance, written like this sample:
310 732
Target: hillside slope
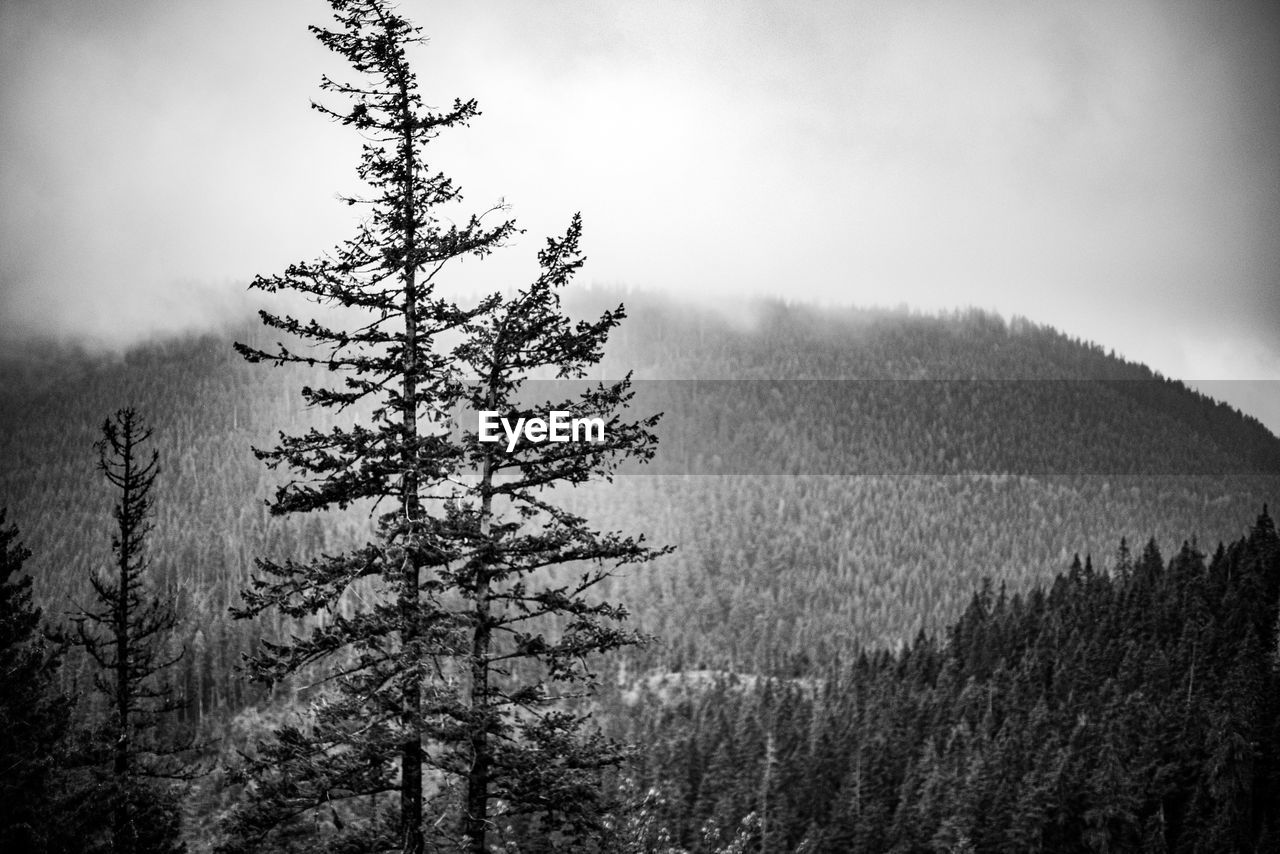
833 479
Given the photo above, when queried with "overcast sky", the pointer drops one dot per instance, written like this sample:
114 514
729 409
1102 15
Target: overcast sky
1112 168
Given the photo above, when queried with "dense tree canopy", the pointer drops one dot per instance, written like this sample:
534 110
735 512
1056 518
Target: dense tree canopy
870 559
33 713
788 577
1125 710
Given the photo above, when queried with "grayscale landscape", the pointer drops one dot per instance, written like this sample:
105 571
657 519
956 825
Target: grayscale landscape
934 352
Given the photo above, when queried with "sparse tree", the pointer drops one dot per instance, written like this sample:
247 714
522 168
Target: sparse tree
468 647
533 631
126 632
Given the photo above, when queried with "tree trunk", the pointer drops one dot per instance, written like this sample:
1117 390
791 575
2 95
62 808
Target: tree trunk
476 818
121 837
411 696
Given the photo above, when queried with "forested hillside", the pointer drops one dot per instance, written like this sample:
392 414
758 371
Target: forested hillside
921 454
837 484
918 456
1131 710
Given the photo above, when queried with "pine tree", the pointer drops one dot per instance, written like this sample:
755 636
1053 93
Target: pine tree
475 638
532 632
33 715
126 632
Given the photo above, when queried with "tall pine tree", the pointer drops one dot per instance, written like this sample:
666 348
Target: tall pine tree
126 633
452 686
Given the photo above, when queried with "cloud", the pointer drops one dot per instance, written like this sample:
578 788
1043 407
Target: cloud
1110 168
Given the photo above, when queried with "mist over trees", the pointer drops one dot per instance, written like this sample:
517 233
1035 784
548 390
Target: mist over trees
877 631
785 582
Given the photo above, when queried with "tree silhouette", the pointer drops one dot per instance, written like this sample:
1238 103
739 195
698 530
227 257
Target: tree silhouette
126 633
449 642
533 631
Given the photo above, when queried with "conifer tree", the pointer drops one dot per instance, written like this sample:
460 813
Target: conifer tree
33 714
457 674
498 540
126 632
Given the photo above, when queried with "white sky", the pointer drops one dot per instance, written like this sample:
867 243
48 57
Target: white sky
1109 167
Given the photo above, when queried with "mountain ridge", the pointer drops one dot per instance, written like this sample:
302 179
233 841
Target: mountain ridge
855 529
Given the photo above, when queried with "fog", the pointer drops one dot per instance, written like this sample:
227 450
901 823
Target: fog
1109 168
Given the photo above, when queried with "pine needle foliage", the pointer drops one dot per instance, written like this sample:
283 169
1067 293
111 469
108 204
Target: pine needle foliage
126 631
451 654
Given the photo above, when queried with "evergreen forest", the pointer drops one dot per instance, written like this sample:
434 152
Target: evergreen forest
825 580
915 655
